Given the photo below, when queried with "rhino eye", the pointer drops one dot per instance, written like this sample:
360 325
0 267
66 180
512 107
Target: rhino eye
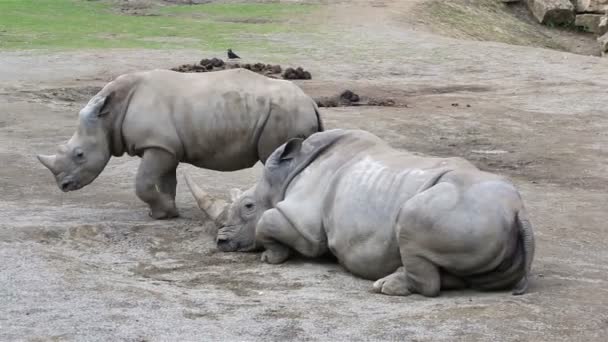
79 154
249 205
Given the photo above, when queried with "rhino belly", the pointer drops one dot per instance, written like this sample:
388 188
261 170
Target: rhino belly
370 255
221 141
363 240
229 159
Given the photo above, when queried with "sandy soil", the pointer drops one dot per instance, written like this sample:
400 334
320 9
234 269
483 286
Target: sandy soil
90 265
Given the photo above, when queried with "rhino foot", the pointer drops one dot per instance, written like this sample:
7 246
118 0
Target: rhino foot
394 284
278 254
163 215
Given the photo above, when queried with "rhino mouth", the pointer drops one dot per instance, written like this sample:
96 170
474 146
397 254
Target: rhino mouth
67 184
225 245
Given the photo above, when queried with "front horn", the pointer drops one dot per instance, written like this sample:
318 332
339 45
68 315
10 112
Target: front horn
211 206
48 161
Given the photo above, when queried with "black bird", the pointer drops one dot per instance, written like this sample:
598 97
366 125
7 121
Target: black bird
232 55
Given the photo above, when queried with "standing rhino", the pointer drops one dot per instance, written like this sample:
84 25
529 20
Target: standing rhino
415 224
224 121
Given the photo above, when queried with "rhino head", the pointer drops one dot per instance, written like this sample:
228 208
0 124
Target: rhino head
237 220
79 161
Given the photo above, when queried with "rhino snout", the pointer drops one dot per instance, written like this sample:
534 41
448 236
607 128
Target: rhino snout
226 245
67 184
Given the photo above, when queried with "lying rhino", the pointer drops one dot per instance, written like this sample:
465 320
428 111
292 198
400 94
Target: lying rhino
418 224
225 121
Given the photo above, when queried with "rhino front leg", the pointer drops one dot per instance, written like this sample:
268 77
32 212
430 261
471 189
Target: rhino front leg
395 284
278 235
156 183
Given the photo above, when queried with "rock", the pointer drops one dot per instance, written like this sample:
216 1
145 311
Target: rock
590 22
603 40
602 28
349 96
596 6
552 12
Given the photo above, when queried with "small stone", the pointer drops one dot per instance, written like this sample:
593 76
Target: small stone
603 40
602 28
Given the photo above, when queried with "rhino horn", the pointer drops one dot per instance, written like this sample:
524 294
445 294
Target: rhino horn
211 206
49 162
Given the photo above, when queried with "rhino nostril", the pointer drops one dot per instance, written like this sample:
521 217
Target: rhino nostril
65 185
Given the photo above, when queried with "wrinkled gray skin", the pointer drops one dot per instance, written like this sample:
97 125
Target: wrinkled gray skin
415 224
225 121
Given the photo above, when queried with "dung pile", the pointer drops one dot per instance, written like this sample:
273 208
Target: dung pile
348 98
269 70
296 74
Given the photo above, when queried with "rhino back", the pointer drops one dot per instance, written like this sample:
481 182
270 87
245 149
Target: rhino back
211 120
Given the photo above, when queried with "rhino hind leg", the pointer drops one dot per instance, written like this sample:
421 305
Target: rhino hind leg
156 183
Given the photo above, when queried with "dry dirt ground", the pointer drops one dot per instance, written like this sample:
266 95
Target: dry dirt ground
90 265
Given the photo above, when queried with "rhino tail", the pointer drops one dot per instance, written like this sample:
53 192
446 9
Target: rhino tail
526 233
320 125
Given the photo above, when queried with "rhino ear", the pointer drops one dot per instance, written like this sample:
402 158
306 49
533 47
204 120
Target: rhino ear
95 108
292 148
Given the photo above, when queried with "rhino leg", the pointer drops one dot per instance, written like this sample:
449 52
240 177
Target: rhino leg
395 284
156 183
278 235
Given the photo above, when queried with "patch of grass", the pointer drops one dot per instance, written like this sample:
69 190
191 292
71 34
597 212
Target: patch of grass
487 20
72 24
261 11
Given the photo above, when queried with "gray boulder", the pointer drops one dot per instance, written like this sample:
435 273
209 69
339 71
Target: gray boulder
552 12
589 21
591 6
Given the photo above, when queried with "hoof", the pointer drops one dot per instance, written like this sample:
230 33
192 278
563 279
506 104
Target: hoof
275 256
392 285
163 215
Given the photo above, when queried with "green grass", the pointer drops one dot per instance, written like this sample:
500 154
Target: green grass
77 24
268 11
